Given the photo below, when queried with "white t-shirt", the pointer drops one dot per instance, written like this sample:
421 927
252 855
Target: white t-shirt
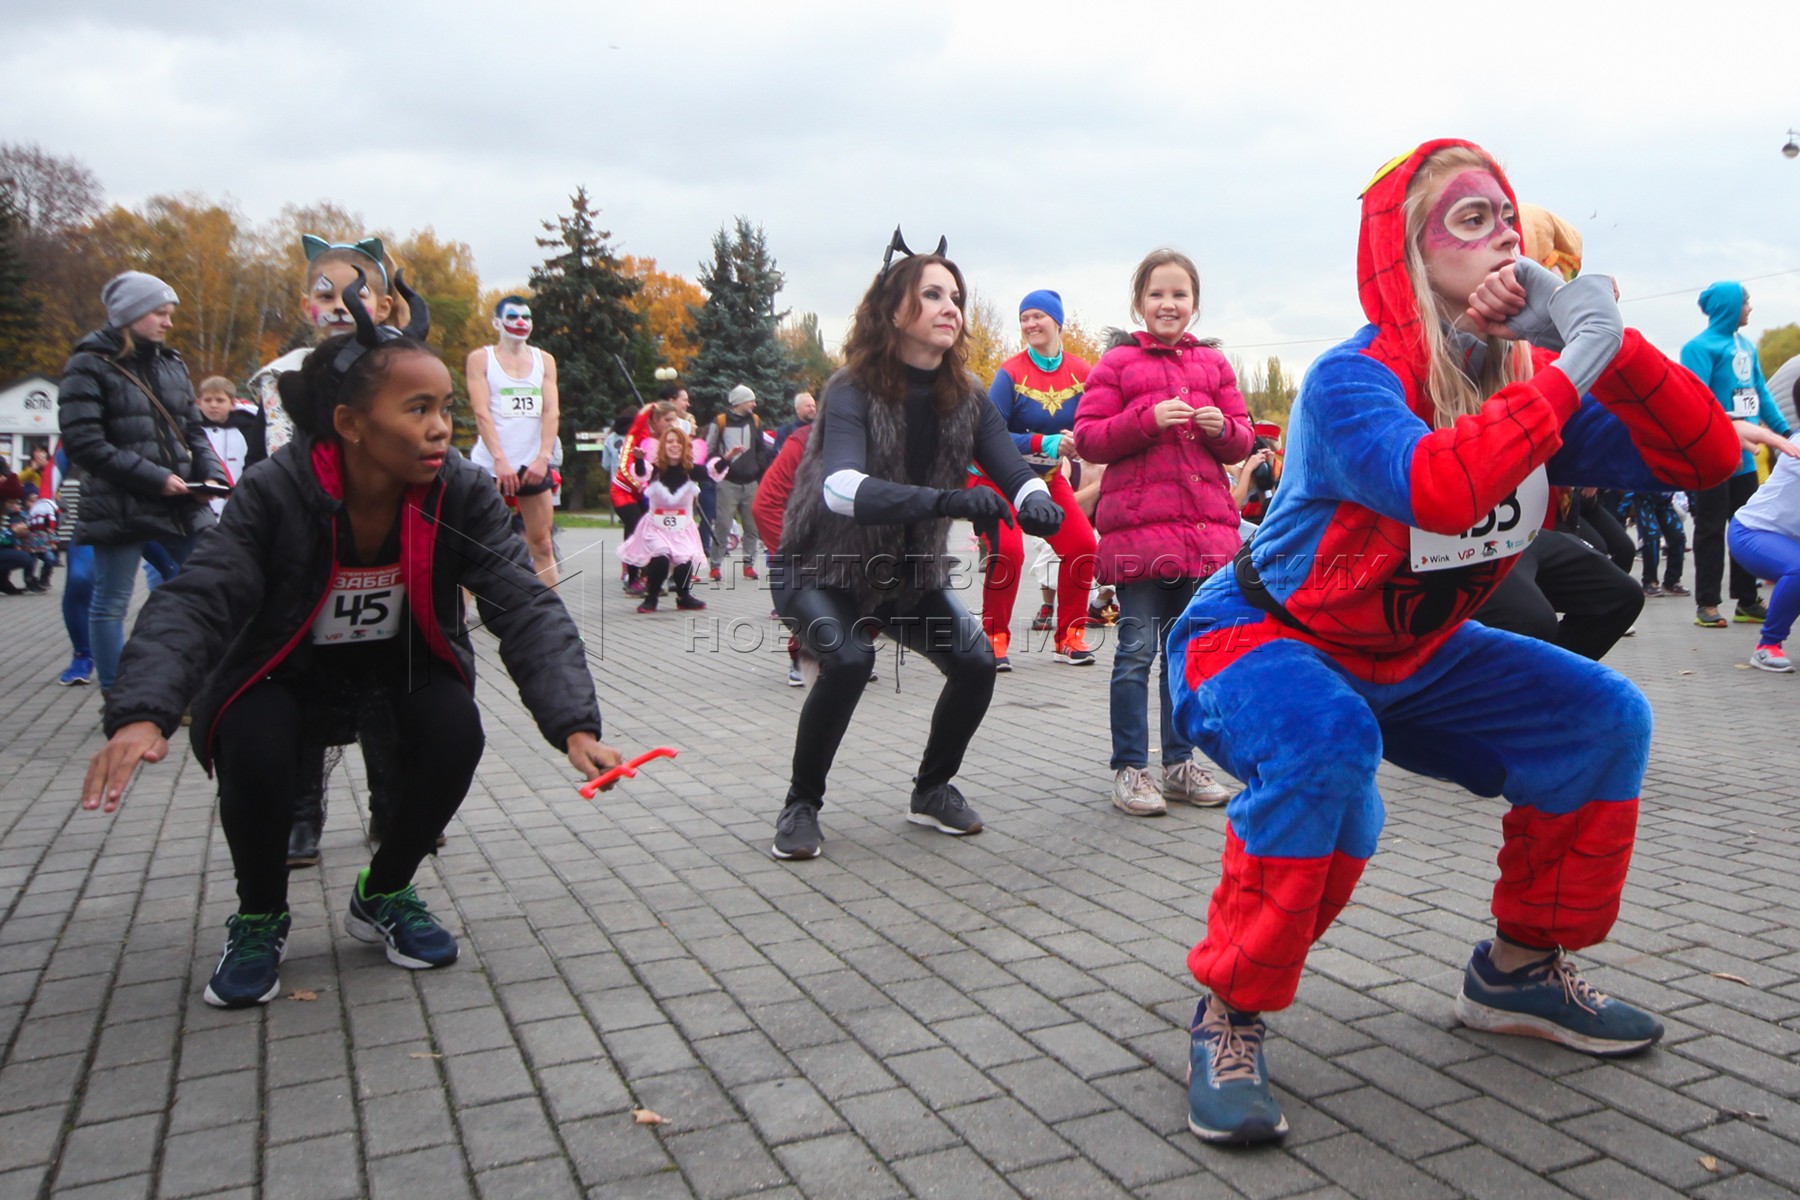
517 407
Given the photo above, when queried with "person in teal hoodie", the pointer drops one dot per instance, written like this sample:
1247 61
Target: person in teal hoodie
1726 362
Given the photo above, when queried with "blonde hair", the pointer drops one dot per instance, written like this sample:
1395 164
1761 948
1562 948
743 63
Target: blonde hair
218 384
1453 392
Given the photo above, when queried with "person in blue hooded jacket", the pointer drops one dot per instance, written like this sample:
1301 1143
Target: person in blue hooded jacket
1726 362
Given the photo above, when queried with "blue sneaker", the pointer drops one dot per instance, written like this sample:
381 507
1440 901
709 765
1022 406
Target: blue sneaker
414 938
1229 1098
249 971
81 670
1550 1000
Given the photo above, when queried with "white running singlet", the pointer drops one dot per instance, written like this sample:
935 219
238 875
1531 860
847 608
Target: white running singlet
517 406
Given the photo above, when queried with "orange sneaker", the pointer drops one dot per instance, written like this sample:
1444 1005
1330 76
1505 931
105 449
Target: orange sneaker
1073 650
1000 643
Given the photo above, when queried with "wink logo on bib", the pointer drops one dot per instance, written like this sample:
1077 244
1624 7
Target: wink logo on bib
1507 529
363 606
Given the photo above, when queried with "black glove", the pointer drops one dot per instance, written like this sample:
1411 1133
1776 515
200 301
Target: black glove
1039 515
975 504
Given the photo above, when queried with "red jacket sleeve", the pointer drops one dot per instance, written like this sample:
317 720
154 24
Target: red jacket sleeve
1104 430
769 509
1674 422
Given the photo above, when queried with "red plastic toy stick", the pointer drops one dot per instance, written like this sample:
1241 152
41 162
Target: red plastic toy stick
625 770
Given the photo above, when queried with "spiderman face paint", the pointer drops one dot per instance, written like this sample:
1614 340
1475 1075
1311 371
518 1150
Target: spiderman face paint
514 321
1470 232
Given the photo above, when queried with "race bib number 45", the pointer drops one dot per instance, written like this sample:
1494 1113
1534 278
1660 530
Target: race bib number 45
364 606
1506 530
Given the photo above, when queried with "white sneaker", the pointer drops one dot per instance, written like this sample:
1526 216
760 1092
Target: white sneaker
1190 783
1134 793
1770 658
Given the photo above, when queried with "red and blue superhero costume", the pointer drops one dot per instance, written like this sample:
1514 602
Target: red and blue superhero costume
1340 637
1039 408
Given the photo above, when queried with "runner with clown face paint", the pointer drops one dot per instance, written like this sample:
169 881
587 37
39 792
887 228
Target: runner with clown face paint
512 392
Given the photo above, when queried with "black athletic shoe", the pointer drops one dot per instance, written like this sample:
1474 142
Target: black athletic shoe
249 971
797 831
303 844
944 809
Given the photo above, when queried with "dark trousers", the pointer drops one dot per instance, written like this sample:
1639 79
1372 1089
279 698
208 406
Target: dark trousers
656 573
263 748
1659 531
1560 573
831 625
1716 507
1602 530
629 516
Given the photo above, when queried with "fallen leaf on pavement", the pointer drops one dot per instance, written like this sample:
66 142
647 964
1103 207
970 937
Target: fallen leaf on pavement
1730 978
644 1116
303 994
1709 1162
423 1054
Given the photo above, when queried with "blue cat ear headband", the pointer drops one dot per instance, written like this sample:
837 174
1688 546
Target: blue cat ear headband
370 248
899 243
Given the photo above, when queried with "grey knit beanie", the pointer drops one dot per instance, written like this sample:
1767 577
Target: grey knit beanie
740 395
130 295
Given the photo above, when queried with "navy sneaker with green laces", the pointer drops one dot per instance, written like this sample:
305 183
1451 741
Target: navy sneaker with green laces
1229 1097
414 938
249 972
1549 999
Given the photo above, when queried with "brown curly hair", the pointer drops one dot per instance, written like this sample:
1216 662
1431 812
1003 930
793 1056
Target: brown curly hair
662 449
872 351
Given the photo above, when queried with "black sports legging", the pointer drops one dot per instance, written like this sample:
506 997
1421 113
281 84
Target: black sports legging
656 573
831 625
629 516
261 740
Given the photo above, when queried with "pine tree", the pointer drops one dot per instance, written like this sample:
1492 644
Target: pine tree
581 306
18 310
739 328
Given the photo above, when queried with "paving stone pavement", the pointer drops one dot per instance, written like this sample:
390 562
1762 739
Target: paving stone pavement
912 1014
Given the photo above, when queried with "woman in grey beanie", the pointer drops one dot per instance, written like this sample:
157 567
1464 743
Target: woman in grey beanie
130 424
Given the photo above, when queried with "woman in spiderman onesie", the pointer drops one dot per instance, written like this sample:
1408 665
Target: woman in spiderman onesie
1419 462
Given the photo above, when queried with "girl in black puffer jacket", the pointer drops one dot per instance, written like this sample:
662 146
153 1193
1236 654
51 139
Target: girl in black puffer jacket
128 420
336 575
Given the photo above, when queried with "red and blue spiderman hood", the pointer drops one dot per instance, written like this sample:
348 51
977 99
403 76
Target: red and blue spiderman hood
1382 282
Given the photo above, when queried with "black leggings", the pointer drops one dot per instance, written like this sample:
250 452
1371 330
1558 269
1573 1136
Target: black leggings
629 516
1561 573
1713 512
656 573
831 625
262 746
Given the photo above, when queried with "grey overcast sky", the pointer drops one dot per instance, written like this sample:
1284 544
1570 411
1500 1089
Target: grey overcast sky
1053 143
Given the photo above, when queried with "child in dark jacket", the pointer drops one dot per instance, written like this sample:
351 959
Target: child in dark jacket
1162 409
324 592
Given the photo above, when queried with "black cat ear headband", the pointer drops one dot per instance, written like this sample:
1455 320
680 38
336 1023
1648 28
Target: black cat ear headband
899 243
370 335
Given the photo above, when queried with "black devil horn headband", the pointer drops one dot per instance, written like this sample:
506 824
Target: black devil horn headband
899 243
370 335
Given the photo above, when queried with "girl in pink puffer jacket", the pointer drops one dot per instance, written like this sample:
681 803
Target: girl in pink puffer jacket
1162 409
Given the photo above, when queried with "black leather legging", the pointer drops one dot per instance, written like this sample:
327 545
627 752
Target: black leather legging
830 625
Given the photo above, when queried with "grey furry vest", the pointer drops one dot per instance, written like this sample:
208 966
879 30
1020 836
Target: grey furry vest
881 565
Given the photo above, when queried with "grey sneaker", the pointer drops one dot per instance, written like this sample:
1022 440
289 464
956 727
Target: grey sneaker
1770 658
1135 794
797 831
1189 783
944 809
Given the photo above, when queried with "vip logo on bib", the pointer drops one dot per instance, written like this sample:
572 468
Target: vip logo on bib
364 605
1506 530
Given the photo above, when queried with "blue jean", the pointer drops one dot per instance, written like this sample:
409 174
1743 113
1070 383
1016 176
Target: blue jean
78 596
115 572
1776 557
1146 610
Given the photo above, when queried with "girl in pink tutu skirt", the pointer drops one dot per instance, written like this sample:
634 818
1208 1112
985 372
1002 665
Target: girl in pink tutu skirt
666 542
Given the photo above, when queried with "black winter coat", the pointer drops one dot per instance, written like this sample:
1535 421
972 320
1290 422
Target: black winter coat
246 599
126 448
